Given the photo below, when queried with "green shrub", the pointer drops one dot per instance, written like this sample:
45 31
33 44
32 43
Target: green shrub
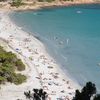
40 0
2 80
46 0
20 66
68 0
10 56
49 0
18 79
8 64
16 3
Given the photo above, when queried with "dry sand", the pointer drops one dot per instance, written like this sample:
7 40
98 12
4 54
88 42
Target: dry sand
41 69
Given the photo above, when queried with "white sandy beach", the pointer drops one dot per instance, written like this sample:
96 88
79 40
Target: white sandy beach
41 69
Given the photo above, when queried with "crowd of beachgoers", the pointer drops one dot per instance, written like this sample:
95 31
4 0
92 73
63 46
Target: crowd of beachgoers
41 69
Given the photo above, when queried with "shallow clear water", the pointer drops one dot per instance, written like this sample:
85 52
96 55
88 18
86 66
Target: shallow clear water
71 35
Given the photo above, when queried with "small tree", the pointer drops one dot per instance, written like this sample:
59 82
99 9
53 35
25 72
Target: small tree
89 89
77 95
39 94
86 92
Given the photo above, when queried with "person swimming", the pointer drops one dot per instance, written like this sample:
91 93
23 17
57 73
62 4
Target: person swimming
79 12
61 42
35 13
67 41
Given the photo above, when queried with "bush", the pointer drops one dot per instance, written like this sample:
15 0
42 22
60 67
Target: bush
40 0
20 66
8 64
49 0
46 0
16 3
18 79
2 80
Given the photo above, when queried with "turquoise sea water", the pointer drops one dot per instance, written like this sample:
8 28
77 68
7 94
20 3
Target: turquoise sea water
71 35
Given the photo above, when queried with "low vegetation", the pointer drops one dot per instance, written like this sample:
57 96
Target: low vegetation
9 63
16 3
20 66
52 0
46 0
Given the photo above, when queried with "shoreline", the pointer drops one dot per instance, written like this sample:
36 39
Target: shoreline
39 5
41 69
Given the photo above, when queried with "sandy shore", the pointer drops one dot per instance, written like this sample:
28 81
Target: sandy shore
34 5
41 69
